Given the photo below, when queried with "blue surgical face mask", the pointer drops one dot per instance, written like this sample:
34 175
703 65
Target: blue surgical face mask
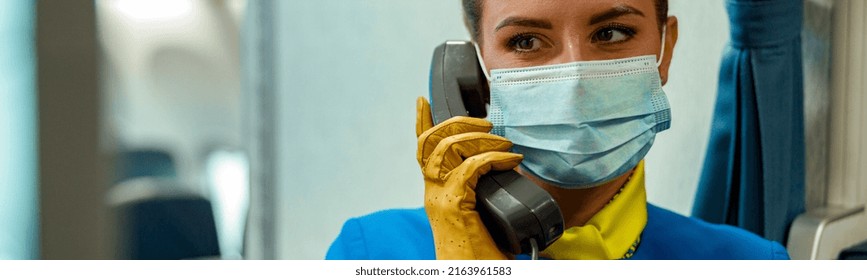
580 124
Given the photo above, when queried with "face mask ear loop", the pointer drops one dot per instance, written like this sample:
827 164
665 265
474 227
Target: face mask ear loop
661 51
481 61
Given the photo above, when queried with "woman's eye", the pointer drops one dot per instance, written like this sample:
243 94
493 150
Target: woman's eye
525 43
612 35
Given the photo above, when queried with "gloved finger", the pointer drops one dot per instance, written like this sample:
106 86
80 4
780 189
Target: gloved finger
452 151
465 177
429 139
423 118
478 165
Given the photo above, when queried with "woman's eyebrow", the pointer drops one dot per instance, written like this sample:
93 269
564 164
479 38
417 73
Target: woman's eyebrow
618 11
522 21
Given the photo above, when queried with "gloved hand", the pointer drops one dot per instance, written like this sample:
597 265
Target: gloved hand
452 156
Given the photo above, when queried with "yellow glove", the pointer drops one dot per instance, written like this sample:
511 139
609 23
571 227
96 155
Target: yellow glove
452 156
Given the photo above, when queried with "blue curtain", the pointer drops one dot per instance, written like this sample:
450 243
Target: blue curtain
753 174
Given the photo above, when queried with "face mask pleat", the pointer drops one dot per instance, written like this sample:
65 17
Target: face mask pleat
585 139
597 168
512 100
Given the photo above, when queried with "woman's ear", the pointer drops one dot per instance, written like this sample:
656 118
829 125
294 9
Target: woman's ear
670 41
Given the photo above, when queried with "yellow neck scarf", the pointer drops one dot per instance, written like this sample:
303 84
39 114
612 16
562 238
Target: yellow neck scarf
612 232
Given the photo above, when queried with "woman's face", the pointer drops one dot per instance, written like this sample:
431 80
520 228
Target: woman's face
522 33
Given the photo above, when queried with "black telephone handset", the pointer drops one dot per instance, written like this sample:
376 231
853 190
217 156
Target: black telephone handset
520 216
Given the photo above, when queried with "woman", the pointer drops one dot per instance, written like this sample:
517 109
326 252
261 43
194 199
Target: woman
576 101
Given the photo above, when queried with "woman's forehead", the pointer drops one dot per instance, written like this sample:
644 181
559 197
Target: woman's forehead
496 11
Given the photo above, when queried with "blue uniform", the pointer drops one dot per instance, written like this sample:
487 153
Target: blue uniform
405 234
